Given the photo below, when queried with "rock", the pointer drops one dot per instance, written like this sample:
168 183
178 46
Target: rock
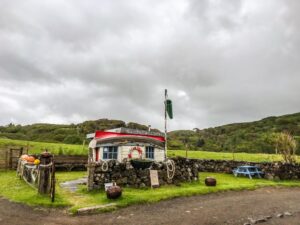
276 178
269 176
260 220
93 209
252 221
288 214
279 215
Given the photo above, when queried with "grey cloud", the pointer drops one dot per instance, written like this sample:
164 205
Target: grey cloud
222 61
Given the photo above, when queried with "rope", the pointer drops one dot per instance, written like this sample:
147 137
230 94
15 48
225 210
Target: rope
45 166
104 166
170 168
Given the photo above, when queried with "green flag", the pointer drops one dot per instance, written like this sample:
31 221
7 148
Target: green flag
169 108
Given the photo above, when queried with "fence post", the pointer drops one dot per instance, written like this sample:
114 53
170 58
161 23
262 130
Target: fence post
10 158
6 160
44 183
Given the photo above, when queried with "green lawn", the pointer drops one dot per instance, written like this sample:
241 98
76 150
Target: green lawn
59 148
17 190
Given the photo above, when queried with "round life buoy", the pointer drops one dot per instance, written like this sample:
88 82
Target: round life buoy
138 149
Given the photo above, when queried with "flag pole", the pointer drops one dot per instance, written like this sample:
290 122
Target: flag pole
166 143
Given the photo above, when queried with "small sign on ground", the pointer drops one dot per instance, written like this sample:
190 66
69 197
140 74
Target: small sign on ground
154 178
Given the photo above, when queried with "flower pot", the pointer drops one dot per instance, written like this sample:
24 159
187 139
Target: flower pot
210 181
141 163
114 192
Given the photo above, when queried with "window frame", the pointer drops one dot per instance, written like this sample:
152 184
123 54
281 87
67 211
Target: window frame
149 151
112 152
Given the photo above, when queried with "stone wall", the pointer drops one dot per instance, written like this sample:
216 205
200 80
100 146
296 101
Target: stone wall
186 170
277 170
125 175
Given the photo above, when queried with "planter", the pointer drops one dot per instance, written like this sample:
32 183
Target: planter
141 163
210 181
113 192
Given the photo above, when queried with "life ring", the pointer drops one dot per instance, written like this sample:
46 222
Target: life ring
138 149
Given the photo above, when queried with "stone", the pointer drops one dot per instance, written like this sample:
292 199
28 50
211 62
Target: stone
93 209
288 214
269 176
279 215
260 220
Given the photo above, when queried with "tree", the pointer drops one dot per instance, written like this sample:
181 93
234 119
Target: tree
286 145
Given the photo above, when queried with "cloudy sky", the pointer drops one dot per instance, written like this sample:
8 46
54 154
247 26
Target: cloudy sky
65 61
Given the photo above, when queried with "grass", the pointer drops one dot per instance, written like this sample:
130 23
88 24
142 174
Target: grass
67 149
38 147
250 157
17 190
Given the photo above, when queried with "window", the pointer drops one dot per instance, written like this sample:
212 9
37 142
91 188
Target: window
149 152
110 152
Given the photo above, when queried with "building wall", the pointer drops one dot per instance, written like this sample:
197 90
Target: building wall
124 150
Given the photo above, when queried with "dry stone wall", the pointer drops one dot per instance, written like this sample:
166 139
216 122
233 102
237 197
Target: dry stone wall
275 170
186 170
125 175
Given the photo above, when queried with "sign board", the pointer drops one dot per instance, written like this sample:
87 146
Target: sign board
154 178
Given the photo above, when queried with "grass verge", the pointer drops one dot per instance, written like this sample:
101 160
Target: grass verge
17 190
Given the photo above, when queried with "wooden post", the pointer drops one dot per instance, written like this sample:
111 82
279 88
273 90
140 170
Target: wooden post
53 181
10 158
91 171
44 184
6 159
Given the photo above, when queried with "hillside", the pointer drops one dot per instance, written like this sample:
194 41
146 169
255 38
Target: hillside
68 134
250 137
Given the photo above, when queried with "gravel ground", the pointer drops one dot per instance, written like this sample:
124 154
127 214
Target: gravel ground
219 208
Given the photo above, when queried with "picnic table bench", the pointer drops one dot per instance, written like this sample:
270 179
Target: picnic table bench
247 171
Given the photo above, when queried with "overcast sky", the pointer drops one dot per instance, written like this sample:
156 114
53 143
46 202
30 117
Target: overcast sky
221 61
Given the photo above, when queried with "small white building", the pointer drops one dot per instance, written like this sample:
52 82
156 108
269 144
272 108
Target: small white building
127 143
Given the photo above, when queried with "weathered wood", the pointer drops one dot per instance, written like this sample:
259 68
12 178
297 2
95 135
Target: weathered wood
44 185
70 162
53 181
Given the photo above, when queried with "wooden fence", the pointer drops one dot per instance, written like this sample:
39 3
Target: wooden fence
70 162
9 157
9 160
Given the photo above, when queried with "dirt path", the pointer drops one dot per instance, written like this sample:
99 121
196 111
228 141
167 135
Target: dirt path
219 208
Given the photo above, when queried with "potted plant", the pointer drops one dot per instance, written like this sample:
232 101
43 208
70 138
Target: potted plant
141 163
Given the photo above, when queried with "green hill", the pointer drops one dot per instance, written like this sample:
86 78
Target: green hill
252 137
249 137
68 134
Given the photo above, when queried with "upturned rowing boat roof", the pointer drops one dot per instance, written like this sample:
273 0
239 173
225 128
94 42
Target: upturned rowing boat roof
125 135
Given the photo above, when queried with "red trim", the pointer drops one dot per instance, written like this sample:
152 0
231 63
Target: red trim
106 134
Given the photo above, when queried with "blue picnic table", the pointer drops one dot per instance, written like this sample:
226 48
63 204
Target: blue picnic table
247 171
